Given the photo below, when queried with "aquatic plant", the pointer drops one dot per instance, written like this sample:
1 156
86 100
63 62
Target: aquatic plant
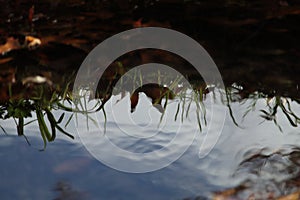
284 104
42 99
42 102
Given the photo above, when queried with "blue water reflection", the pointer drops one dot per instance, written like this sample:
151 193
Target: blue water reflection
27 173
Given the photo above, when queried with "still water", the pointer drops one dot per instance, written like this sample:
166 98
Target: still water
66 170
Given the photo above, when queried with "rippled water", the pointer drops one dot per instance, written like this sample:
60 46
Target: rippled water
253 44
32 174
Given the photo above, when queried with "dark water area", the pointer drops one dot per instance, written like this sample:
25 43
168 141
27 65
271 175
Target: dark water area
255 45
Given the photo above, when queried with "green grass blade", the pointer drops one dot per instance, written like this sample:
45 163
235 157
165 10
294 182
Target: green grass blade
64 132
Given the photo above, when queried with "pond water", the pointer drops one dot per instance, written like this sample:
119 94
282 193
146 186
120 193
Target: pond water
256 156
67 168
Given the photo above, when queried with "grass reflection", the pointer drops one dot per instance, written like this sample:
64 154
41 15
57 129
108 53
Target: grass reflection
41 99
284 104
